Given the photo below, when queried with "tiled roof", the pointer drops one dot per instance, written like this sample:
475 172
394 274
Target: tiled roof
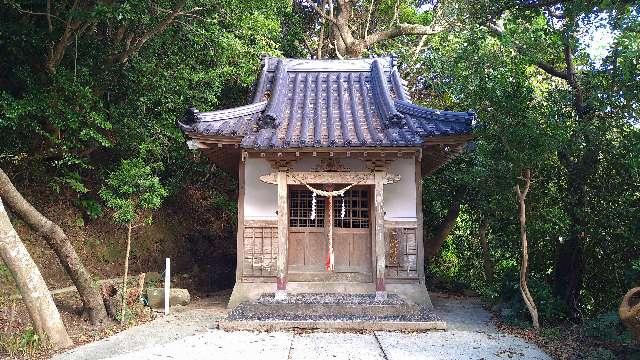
328 103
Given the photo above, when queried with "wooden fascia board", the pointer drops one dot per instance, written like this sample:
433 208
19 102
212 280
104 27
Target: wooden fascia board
445 140
365 153
338 177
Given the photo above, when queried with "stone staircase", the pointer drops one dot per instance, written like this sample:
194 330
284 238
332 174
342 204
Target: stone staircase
332 311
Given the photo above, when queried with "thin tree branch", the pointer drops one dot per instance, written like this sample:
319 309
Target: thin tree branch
419 47
549 69
321 35
323 14
134 46
49 16
38 13
396 13
366 28
401 30
498 31
537 4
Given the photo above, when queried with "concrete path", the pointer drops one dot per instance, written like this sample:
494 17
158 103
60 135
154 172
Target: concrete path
192 334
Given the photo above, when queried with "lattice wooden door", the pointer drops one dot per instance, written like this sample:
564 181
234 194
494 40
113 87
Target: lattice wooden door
308 239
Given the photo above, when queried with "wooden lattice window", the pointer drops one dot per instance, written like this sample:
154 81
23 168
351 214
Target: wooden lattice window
300 209
356 204
401 253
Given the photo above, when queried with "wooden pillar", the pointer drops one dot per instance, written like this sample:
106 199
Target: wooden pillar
419 221
240 233
283 235
379 234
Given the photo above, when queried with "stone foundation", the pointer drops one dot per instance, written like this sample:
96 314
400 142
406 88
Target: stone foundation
412 293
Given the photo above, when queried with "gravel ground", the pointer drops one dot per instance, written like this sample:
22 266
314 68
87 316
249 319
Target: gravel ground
192 334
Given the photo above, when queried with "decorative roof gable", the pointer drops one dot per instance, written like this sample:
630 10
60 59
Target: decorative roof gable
328 103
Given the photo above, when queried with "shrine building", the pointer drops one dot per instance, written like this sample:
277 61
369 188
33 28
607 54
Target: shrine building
330 157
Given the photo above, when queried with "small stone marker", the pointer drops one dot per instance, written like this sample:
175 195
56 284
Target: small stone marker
176 297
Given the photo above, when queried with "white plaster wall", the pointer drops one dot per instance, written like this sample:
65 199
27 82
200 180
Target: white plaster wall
260 199
400 198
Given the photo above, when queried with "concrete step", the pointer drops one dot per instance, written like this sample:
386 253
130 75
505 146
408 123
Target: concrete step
354 325
258 311
331 311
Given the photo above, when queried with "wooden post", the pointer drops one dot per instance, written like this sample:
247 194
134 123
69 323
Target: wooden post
167 284
378 201
283 235
419 221
240 233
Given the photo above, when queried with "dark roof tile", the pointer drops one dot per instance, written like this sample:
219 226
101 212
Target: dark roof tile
303 103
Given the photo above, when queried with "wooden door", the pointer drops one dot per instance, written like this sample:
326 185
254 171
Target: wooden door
308 238
352 234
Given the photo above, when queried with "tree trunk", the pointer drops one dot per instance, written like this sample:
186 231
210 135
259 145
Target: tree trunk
524 288
580 167
486 257
124 279
569 266
433 245
61 246
42 310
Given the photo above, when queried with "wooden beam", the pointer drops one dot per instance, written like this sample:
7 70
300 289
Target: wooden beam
379 234
435 156
295 153
338 177
283 236
450 139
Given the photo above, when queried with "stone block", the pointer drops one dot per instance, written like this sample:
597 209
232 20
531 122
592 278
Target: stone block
155 296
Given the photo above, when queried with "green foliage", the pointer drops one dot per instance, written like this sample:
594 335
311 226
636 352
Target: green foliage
552 333
632 274
91 207
601 354
527 120
513 309
69 127
5 274
130 189
25 343
607 327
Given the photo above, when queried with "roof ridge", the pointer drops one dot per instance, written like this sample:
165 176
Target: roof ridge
384 103
328 103
274 111
398 85
261 84
225 114
416 110
328 65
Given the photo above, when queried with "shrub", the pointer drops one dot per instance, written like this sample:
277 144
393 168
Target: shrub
607 327
601 354
513 309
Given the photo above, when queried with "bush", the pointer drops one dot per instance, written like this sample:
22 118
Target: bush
515 312
601 354
552 333
607 327
632 274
